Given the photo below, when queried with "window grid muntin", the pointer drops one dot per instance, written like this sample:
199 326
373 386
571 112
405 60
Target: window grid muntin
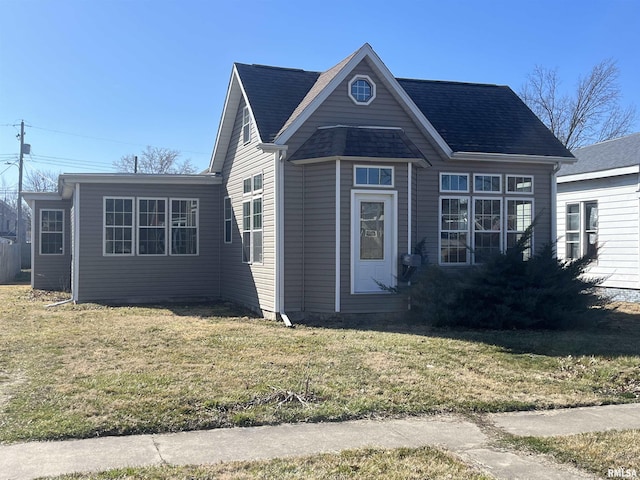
517 222
361 89
454 182
523 180
487 183
185 226
51 231
246 125
454 230
487 227
118 226
152 226
228 220
378 176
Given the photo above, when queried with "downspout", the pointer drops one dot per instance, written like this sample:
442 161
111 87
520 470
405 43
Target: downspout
554 209
279 153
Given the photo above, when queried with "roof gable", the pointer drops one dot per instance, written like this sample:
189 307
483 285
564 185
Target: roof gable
462 119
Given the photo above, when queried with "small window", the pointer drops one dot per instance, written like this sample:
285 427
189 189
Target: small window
454 182
257 182
572 226
228 220
487 183
118 226
377 176
519 184
184 226
51 232
246 186
246 125
362 90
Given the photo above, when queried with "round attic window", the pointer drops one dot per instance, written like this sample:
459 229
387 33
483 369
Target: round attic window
362 90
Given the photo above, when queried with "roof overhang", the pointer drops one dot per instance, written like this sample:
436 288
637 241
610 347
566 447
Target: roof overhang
613 172
509 158
67 182
31 197
421 162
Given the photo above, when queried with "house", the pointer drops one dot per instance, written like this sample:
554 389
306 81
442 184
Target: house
598 204
8 220
320 184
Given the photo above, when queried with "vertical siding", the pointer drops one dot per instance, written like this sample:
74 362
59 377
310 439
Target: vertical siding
618 228
139 278
250 285
51 272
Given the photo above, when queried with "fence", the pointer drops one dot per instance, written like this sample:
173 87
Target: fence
9 261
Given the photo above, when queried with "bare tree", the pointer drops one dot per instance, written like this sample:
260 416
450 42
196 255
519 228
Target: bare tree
592 114
155 160
40 180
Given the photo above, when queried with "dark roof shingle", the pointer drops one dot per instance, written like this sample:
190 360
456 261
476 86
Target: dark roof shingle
616 153
469 117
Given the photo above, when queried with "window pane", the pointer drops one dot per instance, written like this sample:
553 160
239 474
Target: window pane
247 185
454 183
487 183
246 216
361 176
372 231
591 216
386 176
257 182
246 247
257 247
573 217
257 213
453 247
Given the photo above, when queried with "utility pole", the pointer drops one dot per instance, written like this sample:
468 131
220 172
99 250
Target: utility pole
19 232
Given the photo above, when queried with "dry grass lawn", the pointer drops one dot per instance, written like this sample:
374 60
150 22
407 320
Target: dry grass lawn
374 464
76 371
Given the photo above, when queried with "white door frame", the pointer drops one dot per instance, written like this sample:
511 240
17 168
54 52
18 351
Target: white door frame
392 223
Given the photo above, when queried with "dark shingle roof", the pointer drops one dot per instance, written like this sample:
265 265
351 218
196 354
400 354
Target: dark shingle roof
274 93
616 153
469 117
347 141
482 118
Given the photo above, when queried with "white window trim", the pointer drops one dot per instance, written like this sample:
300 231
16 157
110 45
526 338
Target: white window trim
440 231
41 231
374 185
472 224
230 220
253 189
510 192
487 192
246 124
140 227
355 78
506 219
133 226
170 227
453 191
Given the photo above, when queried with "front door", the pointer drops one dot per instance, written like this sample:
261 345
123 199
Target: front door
373 254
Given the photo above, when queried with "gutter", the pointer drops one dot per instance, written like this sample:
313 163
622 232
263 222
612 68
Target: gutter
554 208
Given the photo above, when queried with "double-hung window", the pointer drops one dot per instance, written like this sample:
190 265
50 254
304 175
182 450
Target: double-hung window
581 225
454 230
246 125
51 232
118 226
519 218
252 224
228 220
152 226
487 228
184 226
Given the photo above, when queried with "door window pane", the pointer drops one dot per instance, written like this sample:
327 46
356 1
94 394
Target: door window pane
372 231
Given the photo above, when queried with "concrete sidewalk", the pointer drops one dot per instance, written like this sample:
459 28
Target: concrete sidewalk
464 438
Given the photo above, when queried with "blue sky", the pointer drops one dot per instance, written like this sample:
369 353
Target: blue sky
99 79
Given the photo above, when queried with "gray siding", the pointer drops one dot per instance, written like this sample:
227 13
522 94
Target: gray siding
251 285
319 237
51 272
140 278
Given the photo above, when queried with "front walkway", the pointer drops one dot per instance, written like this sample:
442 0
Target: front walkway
462 437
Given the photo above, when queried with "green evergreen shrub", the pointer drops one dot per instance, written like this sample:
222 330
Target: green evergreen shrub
508 292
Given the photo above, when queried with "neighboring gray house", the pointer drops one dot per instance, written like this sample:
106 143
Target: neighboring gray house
8 220
318 183
598 204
